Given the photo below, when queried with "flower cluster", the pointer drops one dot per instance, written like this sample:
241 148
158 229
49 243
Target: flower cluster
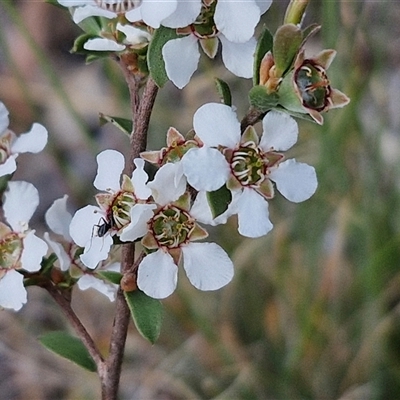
223 167
128 27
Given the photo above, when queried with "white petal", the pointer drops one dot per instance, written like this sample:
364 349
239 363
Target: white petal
9 166
263 5
237 19
217 124
157 275
134 15
205 168
20 202
96 250
165 187
201 211
238 57
32 141
153 12
207 265
181 57
83 223
82 13
58 218
34 250
76 3
110 165
139 180
101 44
12 290
185 14
134 35
280 132
4 120
63 258
140 215
90 282
253 215
296 181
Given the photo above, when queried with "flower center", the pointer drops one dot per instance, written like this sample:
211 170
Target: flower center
118 6
120 211
313 84
204 26
5 149
172 227
11 247
247 165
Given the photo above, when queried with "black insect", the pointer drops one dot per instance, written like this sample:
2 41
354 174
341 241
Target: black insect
103 228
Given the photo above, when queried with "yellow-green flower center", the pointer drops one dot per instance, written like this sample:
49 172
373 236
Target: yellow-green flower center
248 165
172 226
119 214
11 247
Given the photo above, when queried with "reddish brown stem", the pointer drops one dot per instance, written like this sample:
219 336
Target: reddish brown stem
141 109
76 324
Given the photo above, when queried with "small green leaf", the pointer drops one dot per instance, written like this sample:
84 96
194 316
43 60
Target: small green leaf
219 200
80 42
264 45
68 347
260 99
309 31
110 276
146 313
224 91
287 41
155 59
123 124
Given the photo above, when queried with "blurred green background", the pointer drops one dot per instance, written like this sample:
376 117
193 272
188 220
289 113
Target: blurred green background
313 310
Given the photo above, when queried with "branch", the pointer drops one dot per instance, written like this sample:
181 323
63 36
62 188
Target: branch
141 109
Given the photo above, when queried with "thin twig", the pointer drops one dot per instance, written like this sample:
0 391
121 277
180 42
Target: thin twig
77 325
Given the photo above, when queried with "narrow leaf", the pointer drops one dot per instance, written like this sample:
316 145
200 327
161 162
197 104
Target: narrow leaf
155 59
68 347
219 200
224 91
123 124
111 276
146 313
264 45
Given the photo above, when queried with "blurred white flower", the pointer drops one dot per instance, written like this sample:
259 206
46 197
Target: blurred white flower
20 248
11 145
152 12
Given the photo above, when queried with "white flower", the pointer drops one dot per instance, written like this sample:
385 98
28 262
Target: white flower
152 12
232 24
247 164
122 210
58 219
238 19
11 145
172 230
182 56
134 37
20 248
